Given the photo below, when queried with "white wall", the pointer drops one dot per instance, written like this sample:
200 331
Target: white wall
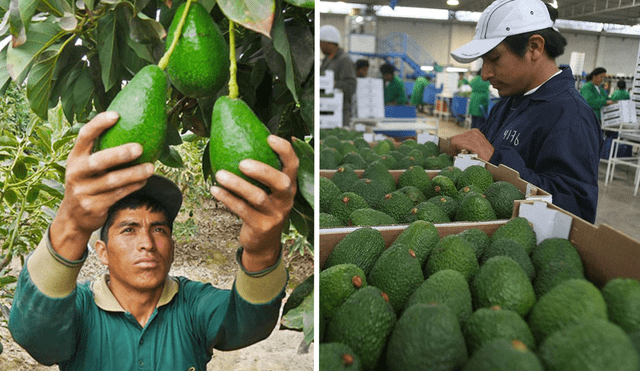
617 53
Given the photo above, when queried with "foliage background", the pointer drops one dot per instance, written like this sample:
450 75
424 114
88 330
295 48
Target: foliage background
73 57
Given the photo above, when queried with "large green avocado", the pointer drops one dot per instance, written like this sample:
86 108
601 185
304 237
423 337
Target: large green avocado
238 134
143 119
199 65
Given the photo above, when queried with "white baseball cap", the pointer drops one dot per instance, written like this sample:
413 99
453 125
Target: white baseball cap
501 19
330 34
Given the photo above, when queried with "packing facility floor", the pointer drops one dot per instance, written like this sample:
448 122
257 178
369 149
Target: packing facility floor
617 207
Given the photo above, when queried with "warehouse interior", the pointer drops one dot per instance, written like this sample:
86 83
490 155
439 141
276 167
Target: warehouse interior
599 34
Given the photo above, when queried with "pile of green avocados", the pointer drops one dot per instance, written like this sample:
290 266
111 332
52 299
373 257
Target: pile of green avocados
375 197
471 301
198 62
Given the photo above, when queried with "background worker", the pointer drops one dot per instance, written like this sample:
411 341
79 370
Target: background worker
394 90
621 93
541 127
479 100
137 316
593 92
362 68
344 70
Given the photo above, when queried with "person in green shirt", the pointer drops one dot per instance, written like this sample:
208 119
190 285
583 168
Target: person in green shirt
593 92
479 100
394 91
462 80
621 93
137 317
417 93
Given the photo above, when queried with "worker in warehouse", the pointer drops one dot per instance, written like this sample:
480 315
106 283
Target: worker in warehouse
541 127
344 70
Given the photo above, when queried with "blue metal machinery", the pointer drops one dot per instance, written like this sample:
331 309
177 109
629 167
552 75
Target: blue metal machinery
401 46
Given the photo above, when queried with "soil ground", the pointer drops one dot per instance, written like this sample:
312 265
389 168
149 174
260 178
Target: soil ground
206 254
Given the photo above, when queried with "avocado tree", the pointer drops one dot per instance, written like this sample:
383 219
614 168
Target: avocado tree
77 55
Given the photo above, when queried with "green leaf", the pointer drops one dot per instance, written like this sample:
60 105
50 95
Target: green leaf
145 30
8 141
40 80
52 187
300 38
294 319
107 50
171 158
306 104
68 22
305 170
7 280
309 4
32 195
206 163
20 170
10 196
82 93
256 15
55 7
20 12
281 45
4 72
173 136
40 36
299 222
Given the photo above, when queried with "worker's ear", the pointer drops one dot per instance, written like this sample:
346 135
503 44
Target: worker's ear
101 250
536 47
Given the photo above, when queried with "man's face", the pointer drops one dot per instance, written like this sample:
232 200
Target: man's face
598 79
362 72
327 48
140 249
387 77
507 72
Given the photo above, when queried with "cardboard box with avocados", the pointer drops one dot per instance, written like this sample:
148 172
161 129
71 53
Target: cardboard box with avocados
606 253
499 173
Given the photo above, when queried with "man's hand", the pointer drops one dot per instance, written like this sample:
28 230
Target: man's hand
474 142
263 215
90 189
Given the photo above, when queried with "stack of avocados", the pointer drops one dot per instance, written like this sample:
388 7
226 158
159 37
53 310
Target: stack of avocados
339 146
197 63
375 198
472 301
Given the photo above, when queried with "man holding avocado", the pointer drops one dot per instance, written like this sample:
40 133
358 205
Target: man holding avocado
137 317
541 127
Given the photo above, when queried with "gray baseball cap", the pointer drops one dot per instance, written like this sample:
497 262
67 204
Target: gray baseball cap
165 192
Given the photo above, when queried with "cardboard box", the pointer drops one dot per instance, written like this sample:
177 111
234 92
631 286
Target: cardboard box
605 252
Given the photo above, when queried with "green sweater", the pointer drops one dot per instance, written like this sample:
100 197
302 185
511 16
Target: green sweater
83 326
596 97
620 95
394 92
479 101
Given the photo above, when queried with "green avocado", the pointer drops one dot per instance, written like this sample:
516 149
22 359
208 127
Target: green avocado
237 134
143 119
199 65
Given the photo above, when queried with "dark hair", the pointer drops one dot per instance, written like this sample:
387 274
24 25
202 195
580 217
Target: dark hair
621 84
596 71
387 68
554 42
133 201
362 63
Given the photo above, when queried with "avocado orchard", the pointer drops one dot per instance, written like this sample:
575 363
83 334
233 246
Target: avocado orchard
76 56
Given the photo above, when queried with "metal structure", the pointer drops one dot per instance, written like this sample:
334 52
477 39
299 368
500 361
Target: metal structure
623 12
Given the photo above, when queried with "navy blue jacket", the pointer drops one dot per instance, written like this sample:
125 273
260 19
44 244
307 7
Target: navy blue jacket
552 138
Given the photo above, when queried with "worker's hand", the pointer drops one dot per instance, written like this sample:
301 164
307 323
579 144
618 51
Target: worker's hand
90 188
263 214
474 142
610 102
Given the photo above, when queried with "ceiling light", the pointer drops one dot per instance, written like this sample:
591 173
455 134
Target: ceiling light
457 69
427 68
452 2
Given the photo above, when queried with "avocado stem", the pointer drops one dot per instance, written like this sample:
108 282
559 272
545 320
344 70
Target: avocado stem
233 67
164 61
